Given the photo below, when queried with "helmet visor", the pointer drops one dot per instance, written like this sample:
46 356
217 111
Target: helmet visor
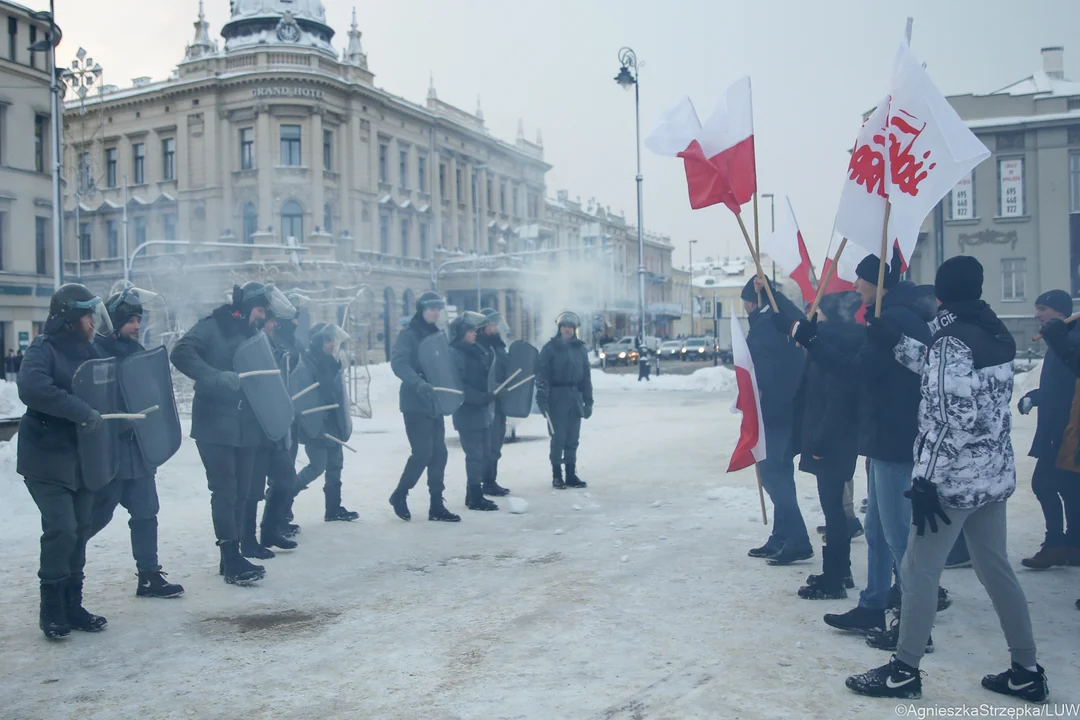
279 305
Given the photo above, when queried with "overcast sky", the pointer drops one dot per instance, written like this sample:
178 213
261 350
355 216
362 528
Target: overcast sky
815 68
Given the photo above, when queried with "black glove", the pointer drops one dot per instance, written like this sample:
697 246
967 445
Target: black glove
1054 327
1026 403
227 380
925 505
93 420
588 411
425 390
882 332
804 331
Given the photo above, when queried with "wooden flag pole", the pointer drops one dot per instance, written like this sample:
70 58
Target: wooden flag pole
328 436
757 263
882 261
1074 318
449 390
761 495
518 384
305 391
309 411
757 235
254 373
827 279
497 390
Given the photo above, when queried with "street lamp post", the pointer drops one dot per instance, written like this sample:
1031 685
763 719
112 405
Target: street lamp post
692 243
49 45
628 61
476 208
83 75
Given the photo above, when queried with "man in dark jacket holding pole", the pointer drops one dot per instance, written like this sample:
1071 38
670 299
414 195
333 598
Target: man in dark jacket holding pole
564 395
424 424
1057 490
491 338
223 425
778 364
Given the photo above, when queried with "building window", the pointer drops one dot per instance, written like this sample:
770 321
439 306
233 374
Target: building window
39 142
168 159
442 180
3 133
460 186
13 38
532 206
1013 279
290 146
328 218
421 173
1011 187
405 237
384 159
403 169
41 231
292 221
1010 141
138 169
140 230
502 198
168 228
423 240
384 234
85 181
514 194
251 222
110 167
247 148
84 241
113 231
490 192
3 235
33 39
328 150
1074 182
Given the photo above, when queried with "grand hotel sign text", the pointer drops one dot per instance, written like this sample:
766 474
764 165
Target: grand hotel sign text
287 91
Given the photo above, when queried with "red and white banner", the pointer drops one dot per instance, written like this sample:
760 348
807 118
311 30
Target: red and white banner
751 446
861 214
786 247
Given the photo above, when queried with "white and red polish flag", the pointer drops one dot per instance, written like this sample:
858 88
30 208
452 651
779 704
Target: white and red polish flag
751 446
718 156
786 247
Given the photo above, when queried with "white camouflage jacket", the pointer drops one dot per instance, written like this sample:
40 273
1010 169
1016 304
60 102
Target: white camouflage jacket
964 444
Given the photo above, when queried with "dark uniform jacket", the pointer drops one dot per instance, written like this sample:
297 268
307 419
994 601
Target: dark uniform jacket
48 450
326 371
497 347
563 377
132 464
405 362
473 363
218 416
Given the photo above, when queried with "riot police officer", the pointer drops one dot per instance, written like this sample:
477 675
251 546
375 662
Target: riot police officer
473 418
564 394
223 425
48 454
134 486
491 338
424 424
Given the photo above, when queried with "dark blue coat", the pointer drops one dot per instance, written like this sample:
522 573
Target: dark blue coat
473 364
778 364
1053 398
405 363
132 464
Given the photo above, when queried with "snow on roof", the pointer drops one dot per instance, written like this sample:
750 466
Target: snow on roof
1041 84
1022 120
724 281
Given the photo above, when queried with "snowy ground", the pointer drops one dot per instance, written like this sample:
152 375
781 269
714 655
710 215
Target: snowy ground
633 600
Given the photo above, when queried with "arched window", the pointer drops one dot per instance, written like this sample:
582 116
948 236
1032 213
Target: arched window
292 221
251 222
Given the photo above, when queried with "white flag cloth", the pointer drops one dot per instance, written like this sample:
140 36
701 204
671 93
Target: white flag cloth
675 130
785 245
861 214
750 447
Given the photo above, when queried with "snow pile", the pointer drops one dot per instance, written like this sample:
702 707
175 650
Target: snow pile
8 455
10 404
710 380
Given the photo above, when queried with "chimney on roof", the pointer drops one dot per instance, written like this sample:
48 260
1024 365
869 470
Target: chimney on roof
1053 60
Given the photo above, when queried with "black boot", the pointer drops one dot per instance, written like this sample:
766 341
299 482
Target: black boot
273 523
77 616
249 544
154 584
272 538
334 511
439 512
572 480
858 619
475 500
1020 682
830 584
289 528
51 616
491 486
401 507
556 477
233 566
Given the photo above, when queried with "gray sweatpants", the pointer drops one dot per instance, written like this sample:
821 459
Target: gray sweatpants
924 560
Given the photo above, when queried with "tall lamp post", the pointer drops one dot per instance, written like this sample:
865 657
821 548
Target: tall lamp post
83 75
49 45
692 243
772 223
627 78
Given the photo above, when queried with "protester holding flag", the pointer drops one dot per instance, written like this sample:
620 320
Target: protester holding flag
825 435
778 366
963 475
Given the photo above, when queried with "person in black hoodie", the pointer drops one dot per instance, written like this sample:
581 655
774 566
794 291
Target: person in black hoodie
564 395
778 364
223 425
491 338
424 424
48 455
888 408
825 436
473 419
134 486
1057 490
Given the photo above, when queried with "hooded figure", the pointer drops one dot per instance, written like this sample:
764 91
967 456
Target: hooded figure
564 395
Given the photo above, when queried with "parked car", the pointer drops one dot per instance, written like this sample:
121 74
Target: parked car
670 349
698 348
622 352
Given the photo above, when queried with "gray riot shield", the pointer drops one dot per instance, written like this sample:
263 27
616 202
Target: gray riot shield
267 394
344 410
99 449
145 380
518 402
303 326
441 371
311 424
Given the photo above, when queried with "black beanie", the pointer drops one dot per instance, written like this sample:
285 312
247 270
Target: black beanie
749 294
1056 300
868 270
959 279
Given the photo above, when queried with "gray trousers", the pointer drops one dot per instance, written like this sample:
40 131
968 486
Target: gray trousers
139 498
924 560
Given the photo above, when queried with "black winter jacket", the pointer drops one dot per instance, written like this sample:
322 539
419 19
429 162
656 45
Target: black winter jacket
132 464
1053 398
563 376
218 416
497 347
48 446
326 371
778 364
473 365
889 393
405 362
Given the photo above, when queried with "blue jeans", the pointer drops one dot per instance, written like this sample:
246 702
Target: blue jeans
778 480
888 518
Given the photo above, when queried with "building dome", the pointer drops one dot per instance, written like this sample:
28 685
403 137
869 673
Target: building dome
284 23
